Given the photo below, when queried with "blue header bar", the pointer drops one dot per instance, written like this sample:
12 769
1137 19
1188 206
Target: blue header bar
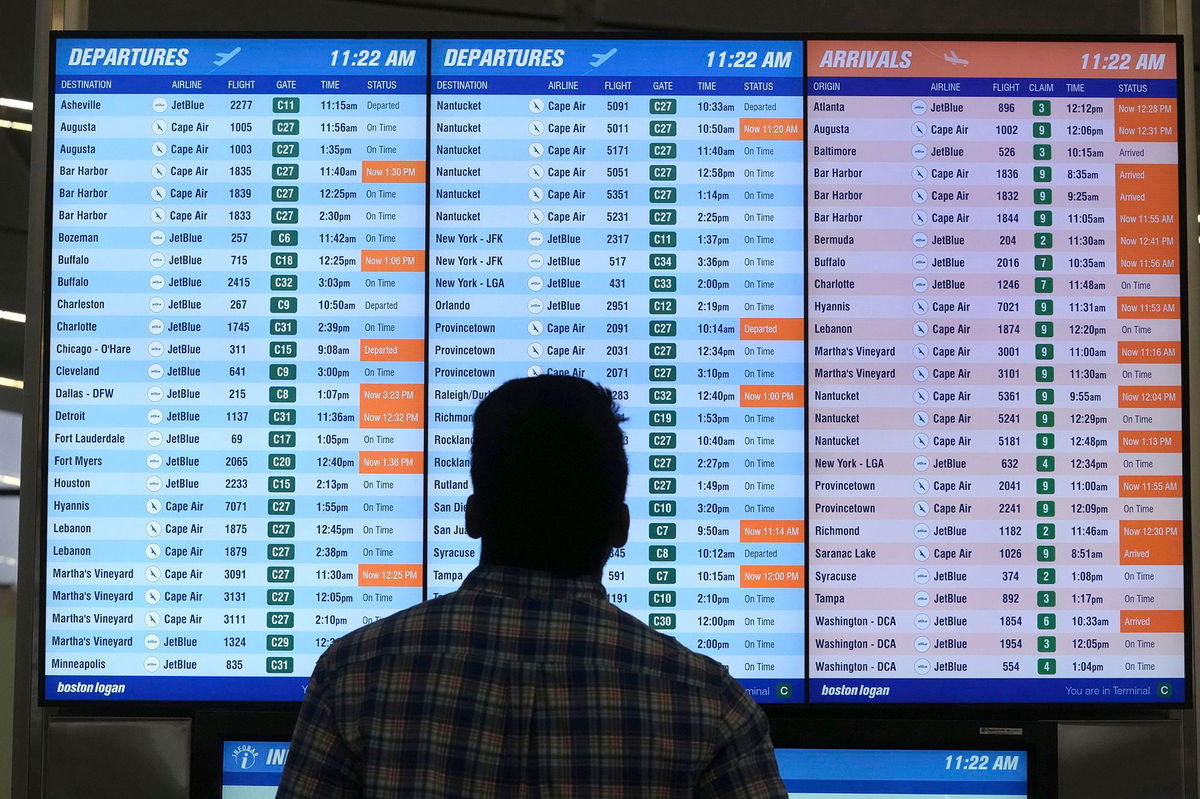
598 58
216 58
864 768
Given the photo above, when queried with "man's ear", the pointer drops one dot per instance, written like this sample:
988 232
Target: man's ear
620 534
472 520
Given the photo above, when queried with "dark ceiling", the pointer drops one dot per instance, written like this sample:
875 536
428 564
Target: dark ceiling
847 16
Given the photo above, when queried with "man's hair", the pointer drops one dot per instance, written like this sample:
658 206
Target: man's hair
549 470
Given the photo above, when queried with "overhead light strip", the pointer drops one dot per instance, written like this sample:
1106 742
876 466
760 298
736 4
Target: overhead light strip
12 316
24 105
5 123
11 382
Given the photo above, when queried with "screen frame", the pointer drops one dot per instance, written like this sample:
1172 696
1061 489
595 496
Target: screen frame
1038 740
794 710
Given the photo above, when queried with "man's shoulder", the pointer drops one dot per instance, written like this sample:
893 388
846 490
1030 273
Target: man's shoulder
395 634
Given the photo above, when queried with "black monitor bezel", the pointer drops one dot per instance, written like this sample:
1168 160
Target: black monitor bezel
793 710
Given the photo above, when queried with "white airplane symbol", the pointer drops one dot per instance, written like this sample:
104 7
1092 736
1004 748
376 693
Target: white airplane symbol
600 58
223 58
953 58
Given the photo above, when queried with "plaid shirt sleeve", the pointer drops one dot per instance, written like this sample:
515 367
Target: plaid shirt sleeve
320 764
743 765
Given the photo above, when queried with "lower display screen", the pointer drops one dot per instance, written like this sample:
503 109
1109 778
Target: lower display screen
252 769
903 773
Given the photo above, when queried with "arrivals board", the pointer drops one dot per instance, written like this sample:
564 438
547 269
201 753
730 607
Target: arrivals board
904 409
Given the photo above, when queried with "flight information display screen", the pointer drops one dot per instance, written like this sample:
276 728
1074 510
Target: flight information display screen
897 327
903 773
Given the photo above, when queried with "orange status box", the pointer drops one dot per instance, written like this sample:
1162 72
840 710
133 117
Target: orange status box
1147 307
1146 188
391 462
772 531
391 349
1152 543
1151 486
1152 621
771 129
1148 352
396 575
1150 397
393 171
391 405
772 397
771 329
1145 120
756 576
392 261
1150 441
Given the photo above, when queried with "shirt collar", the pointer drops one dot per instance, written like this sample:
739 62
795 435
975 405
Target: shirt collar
512 581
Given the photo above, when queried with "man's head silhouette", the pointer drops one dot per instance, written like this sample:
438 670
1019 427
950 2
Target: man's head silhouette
548 469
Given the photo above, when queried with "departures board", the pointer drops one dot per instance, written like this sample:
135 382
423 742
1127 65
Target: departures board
897 326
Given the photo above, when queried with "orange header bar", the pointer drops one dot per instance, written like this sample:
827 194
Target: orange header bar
1044 60
397 575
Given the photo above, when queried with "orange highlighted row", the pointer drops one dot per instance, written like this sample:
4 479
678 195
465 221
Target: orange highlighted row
1151 486
1150 441
772 531
772 577
771 329
1152 543
391 349
1150 397
393 171
397 575
772 397
1152 621
392 260
391 405
391 462
1148 352
771 129
1147 307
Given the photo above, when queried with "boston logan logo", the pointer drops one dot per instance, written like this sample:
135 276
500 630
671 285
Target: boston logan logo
245 756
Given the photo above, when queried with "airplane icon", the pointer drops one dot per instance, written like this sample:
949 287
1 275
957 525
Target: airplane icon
600 58
953 58
224 58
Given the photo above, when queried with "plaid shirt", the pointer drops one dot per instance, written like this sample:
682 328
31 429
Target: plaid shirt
519 685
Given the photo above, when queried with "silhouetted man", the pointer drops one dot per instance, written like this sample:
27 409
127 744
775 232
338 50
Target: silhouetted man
527 681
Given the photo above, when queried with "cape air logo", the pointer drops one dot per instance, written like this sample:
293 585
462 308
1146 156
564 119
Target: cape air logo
245 756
